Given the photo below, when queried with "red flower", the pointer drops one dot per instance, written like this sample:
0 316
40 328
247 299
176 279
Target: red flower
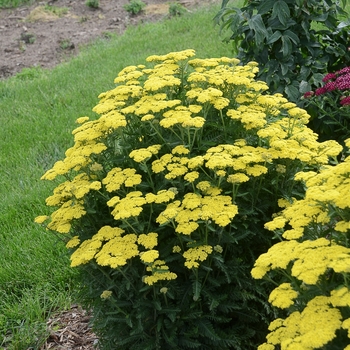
329 76
345 101
320 91
344 70
309 94
331 85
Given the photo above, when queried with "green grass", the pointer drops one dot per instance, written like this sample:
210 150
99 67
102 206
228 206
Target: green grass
38 109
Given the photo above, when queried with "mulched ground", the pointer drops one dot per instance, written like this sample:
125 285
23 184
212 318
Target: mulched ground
70 330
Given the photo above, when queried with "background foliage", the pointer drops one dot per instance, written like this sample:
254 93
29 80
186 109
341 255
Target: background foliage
294 42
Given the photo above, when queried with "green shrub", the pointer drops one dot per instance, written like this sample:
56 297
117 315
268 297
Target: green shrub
314 260
164 196
294 42
93 3
134 6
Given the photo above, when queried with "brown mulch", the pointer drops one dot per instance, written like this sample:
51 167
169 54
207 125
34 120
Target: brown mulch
70 330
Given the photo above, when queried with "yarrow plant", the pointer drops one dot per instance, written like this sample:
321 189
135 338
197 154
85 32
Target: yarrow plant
315 263
163 197
329 106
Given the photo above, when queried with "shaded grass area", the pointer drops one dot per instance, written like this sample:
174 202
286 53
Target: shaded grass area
38 112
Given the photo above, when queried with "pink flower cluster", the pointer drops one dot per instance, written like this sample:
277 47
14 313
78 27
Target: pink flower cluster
338 81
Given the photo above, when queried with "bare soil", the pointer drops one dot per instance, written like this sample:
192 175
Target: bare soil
47 33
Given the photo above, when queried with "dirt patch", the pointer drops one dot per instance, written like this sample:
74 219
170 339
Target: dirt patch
47 33
70 330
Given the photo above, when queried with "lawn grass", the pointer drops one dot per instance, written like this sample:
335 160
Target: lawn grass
38 109
38 112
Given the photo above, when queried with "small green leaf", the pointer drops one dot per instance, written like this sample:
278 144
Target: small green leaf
274 37
286 46
292 92
304 87
281 10
344 24
256 24
292 36
265 6
197 287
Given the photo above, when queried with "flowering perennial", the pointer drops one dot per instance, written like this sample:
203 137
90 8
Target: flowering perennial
330 105
158 187
316 257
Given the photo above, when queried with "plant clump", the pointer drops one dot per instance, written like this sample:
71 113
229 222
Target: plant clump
294 42
313 261
134 6
163 197
329 106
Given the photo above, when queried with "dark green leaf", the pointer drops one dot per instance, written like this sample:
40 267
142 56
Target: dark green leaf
292 92
257 25
197 287
281 10
292 36
344 24
274 37
304 87
265 6
284 68
286 46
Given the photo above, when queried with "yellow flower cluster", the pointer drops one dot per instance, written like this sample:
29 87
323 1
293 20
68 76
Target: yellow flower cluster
160 272
150 160
309 259
193 255
195 208
324 208
310 329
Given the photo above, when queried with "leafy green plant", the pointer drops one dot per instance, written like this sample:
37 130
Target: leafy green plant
329 106
165 196
176 9
66 44
28 38
313 260
93 3
135 6
282 37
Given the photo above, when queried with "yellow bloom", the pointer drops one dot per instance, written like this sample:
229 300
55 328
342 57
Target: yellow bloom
140 155
283 296
310 329
106 294
82 120
73 242
191 176
41 219
163 290
195 255
160 272
237 178
218 249
180 149
149 256
176 249
149 240
117 251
